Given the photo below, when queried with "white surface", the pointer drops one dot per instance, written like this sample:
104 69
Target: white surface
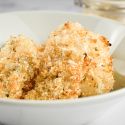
74 112
115 116
14 5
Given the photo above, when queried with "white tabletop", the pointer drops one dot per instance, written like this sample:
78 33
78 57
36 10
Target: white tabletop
14 5
116 115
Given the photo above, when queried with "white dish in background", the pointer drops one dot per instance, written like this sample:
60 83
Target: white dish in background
37 25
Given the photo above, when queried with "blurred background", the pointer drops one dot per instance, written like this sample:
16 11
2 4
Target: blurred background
17 5
114 9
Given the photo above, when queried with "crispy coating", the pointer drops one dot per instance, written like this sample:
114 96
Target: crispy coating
74 62
18 65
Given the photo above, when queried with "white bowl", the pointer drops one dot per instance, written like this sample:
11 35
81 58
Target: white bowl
38 25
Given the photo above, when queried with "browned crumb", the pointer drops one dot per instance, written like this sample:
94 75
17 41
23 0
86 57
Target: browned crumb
74 63
18 64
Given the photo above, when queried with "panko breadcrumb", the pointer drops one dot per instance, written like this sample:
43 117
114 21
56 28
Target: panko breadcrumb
74 63
18 66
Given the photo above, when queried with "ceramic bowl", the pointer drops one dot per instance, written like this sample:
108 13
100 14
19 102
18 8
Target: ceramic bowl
37 25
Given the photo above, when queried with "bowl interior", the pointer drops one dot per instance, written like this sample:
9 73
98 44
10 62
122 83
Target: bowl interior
38 24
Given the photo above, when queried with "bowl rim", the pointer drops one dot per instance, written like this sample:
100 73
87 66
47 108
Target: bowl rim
84 100
64 13
117 94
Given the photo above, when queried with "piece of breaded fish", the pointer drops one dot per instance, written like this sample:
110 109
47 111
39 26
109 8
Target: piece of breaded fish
18 64
74 63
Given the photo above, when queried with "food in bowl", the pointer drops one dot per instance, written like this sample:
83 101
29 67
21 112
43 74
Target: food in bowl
18 65
73 62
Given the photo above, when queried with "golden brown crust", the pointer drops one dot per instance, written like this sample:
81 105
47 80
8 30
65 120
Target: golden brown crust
72 63
18 62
